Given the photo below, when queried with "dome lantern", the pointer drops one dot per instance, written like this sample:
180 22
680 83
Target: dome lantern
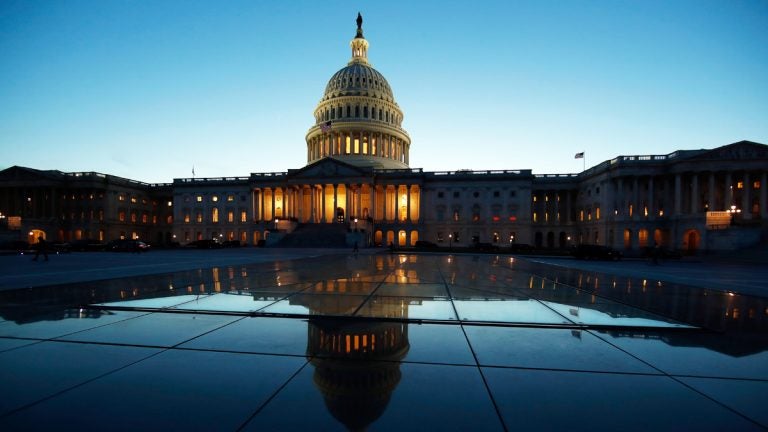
359 45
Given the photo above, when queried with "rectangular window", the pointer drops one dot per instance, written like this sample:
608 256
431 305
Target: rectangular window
133 199
756 184
186 217
199 198
243 216
121 216
144 218
230 198
199 217
133 217
230 216
120 197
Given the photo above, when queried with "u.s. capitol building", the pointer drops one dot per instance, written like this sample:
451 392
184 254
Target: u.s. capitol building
358 187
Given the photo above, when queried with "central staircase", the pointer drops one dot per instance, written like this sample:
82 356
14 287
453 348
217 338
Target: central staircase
315 236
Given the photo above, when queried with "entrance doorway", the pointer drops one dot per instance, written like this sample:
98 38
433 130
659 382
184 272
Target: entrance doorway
339 215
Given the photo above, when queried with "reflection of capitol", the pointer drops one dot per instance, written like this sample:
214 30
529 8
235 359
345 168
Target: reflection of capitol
357 366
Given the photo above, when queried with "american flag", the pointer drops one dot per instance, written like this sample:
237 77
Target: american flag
579 155
325 127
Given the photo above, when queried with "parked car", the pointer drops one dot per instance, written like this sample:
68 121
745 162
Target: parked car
205 244
86 245
128 246
589 251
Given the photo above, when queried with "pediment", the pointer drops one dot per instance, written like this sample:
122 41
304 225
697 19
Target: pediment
24 174
328 168
742 150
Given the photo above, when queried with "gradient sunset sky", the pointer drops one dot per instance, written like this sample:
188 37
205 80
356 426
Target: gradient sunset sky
148 89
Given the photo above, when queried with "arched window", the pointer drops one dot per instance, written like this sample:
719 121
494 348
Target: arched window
349 110
373 113
387 116
357 111
365 111
333 113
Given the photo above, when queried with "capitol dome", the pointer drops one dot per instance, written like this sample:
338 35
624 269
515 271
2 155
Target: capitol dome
357 120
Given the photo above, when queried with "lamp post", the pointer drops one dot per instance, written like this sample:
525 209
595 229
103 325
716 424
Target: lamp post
276 221
733 211
450 240
355 224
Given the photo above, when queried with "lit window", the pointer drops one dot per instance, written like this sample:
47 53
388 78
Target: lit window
740 185
230 198
581 215
170 203
133 217
186 217
133 199
230 216
215 215
756 184
535 217
456 215
199 217
214 198
144 218
121 216
120 197
597 213
243 216
199 198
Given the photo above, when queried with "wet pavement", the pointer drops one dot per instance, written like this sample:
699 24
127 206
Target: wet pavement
382 342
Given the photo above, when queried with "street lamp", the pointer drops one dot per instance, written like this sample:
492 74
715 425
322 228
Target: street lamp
276 221
450 240
355 224
733 211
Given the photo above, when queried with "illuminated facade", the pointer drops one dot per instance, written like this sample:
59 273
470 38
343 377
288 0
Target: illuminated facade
358 187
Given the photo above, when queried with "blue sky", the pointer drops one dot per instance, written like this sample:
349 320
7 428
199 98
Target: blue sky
147 89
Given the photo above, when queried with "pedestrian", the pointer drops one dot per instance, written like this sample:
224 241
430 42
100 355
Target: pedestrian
42 247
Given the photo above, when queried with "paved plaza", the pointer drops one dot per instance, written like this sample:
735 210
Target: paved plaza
300 339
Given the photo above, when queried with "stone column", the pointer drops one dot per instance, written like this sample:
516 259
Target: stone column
651 207
635 196
274 202
322 204
407 203
372 210
695 194
728 191
261 204
711 192
746 202
763 195
335 200
359 198
678 195
312 197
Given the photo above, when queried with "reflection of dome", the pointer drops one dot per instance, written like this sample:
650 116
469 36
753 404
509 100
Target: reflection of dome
357 119
357 366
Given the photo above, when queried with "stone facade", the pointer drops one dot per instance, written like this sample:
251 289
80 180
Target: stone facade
358 176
